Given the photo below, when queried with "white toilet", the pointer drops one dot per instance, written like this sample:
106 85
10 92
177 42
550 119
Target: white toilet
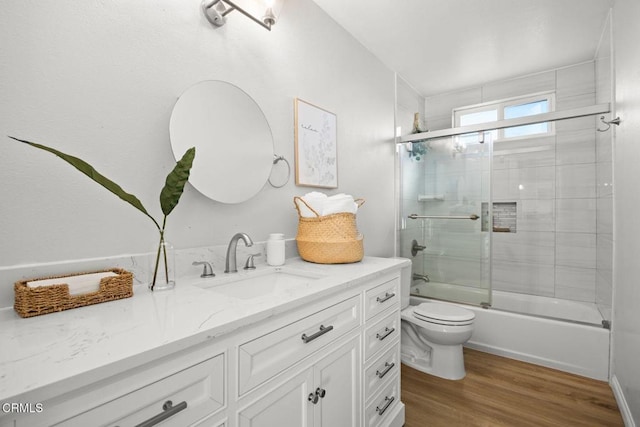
433 334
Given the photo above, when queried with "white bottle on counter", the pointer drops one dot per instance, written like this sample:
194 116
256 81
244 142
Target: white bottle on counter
275 249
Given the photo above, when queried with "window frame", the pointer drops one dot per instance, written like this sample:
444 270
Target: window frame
500 105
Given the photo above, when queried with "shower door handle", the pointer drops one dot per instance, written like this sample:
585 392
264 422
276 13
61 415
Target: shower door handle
472 217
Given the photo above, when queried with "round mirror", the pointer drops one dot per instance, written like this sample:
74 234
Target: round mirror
234 145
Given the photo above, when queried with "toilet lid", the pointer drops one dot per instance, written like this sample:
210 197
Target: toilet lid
442 312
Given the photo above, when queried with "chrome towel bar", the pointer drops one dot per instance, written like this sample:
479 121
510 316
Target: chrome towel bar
472 217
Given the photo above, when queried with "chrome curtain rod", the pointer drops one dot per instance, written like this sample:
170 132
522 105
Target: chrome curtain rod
472 217
553 116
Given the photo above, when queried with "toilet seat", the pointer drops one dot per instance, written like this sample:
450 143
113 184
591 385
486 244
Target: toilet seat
443 314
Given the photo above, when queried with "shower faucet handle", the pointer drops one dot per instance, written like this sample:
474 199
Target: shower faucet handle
415 248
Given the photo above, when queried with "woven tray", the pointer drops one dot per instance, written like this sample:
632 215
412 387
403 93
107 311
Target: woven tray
35 301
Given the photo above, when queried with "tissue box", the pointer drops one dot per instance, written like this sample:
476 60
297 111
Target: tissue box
34 301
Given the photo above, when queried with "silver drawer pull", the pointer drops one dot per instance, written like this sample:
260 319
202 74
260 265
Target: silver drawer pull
386 296
387 332
168 410
389 401
322 331
388 366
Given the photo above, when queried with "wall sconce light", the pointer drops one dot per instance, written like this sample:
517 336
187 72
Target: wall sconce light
217 10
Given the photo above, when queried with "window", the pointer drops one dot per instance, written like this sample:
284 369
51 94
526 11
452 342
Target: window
507 109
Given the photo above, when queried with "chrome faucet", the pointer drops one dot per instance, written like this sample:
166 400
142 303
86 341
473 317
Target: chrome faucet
421 277
230 263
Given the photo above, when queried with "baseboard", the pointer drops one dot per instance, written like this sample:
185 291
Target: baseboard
622 403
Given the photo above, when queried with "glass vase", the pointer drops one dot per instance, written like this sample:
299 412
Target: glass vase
162 267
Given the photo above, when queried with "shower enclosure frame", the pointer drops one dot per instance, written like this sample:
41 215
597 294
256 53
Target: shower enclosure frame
592 110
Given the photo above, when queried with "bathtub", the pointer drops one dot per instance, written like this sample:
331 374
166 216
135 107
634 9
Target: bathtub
560 334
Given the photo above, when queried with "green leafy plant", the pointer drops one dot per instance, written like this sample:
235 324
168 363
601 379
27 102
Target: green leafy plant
169 196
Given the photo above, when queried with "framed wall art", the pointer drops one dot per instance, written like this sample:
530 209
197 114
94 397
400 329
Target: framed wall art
316 153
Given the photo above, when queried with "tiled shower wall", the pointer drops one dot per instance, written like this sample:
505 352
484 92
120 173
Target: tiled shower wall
557 184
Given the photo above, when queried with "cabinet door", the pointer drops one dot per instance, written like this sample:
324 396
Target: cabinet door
285 406
337 381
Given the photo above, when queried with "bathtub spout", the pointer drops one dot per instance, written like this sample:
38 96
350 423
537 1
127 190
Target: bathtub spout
421 277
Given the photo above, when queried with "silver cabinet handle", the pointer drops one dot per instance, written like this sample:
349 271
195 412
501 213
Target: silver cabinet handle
321 332
389 401
168 410
319 394
388 366
386 296
387 332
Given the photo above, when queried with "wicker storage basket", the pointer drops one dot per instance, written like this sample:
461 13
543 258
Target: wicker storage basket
35 301
329 239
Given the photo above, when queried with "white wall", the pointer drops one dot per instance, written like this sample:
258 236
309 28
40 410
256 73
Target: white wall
99 80
626 304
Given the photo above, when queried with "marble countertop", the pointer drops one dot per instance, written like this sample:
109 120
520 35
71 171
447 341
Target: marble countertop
85 344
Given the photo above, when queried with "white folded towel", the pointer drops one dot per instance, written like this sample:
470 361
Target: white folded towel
80 284
327 205
315 200
338 204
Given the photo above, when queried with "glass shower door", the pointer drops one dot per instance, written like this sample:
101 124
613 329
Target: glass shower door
445 217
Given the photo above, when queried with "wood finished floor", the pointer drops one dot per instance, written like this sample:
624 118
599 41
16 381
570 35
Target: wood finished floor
503 392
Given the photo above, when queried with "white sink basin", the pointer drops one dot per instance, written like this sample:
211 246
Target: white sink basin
259 283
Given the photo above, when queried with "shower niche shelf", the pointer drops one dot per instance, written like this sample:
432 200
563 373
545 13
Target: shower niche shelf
505 217
431 197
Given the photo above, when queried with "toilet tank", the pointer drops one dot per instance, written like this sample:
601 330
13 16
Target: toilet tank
405 286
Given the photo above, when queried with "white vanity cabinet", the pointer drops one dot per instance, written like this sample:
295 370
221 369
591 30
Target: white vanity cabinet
178 391
335 381
327 393
330 358
381 340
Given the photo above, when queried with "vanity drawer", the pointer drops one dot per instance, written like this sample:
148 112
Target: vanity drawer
266 356
383 404
381 333
378 373
194 393
381 297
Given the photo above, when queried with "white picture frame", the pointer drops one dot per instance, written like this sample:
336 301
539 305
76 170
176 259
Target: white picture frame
316 154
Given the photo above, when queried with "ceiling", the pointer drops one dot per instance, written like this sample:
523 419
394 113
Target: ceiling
440 46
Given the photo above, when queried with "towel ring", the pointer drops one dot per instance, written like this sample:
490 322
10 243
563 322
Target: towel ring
615 121
276 159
